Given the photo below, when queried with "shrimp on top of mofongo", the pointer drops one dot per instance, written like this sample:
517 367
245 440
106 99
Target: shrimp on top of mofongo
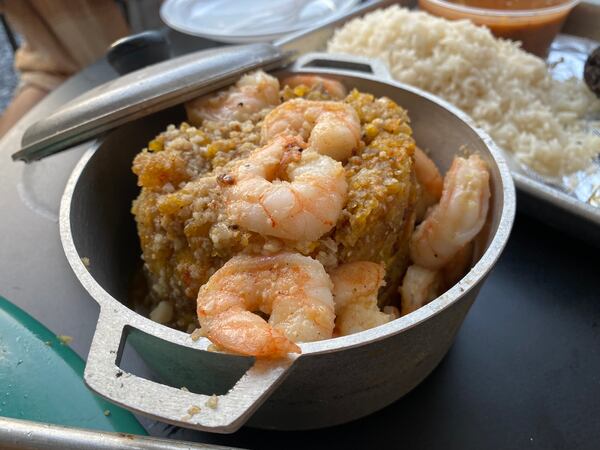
293 211
293 290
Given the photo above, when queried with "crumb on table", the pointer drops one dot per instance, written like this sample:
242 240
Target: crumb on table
64 339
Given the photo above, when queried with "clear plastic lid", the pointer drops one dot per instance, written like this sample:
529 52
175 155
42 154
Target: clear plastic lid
240 21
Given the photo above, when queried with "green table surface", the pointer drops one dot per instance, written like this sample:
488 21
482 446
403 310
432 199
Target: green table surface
41 379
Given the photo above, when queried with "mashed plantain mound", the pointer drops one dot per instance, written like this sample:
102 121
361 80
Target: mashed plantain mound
186 236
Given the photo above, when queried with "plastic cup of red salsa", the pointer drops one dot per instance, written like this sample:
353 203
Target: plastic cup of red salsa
535 23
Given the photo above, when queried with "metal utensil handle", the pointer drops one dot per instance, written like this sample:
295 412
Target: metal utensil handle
25 434
319 61
176 406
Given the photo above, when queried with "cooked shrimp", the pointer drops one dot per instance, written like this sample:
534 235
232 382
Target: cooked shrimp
419 287
330 128
458 265
252 93
333 87
355 289
430 183
293 289
459 216
282 191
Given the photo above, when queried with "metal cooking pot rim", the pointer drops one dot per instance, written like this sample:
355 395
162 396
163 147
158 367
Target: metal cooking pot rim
477 272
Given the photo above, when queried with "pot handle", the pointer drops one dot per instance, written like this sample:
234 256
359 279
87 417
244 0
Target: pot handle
169 404
320 61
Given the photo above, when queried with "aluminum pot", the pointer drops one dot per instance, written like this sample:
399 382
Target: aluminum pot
332 381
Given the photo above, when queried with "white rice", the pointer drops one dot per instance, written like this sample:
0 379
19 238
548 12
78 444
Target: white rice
508 92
